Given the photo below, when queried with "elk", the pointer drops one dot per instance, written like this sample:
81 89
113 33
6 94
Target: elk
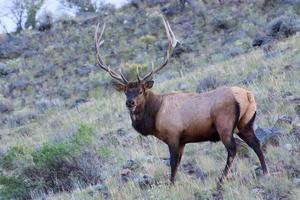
185 117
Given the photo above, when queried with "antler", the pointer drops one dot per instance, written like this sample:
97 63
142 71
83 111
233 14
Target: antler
98 42
172 44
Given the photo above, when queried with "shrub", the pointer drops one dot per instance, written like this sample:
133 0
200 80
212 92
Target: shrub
147 40
53 167
15 154
13 187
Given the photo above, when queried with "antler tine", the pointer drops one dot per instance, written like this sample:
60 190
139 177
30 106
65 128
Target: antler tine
172 44
98 42
138 74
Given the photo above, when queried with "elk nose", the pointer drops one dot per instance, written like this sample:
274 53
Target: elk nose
129 103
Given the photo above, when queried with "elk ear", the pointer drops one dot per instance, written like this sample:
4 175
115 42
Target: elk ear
148 84
119 87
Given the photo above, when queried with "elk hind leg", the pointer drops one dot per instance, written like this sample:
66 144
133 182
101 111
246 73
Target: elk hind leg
225 126
246 133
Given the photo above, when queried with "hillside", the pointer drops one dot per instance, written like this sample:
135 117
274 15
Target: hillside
66 134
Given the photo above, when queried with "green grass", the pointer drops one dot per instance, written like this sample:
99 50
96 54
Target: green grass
210 157
87 136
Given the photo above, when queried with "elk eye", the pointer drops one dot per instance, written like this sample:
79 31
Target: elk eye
140 92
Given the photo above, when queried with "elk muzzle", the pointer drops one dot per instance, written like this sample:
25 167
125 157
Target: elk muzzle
130 104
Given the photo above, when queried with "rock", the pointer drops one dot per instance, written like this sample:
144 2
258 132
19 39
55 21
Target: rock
169 10
190 167
181 48
257 190
78 102
121 132
221 21
82 71
297 109
251 77
283 26
288 147
146 181
5 107
296 181
5 70
296 131
262 40
268 136
20 84
126 175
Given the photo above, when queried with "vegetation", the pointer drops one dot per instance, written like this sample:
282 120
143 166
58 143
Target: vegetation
65 134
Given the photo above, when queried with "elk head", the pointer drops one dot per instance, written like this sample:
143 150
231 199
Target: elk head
136 90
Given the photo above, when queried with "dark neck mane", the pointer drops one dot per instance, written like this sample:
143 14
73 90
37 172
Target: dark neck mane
144 119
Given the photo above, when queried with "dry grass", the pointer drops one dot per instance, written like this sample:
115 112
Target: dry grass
106 113
108 116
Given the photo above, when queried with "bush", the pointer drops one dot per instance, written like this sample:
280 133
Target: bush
147 40
13 187
53 167
15 154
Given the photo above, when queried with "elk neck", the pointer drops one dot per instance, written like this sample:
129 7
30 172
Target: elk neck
143 119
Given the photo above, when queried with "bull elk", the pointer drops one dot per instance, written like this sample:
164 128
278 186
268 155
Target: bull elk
186 117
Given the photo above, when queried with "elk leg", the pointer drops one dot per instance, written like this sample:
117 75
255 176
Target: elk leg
225 130
250 138
231 150
175 157
247 134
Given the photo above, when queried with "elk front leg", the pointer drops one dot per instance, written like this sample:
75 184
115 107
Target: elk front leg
175 157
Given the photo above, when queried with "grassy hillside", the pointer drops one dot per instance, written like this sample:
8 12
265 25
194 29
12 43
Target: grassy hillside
67 135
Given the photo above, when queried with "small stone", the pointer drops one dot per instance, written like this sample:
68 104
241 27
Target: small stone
296 130
5 70
126 175
121 132
296 181
190 167
268 136
288 147
5 107
146 181
257 190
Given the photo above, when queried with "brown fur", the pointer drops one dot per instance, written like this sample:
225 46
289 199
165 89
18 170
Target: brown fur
181 118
